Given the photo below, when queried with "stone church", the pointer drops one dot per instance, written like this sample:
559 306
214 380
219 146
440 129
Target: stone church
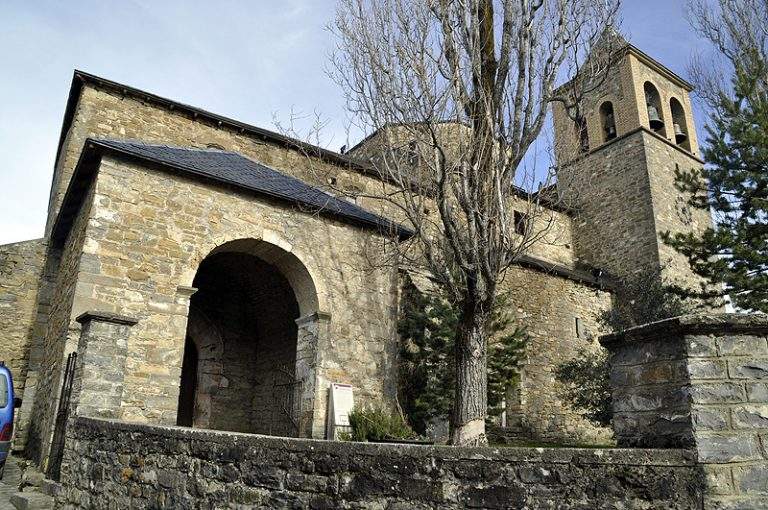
204 276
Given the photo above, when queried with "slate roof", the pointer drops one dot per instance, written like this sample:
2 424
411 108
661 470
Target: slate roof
228 168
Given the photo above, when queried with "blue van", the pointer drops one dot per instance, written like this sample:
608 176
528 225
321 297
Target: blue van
8 403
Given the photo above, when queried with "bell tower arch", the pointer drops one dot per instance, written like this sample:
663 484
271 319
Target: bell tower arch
641 131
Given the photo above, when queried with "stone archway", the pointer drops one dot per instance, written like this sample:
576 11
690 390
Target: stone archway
253 325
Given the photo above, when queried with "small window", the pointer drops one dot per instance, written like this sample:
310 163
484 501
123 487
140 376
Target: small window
608 121
3 391
579 327
522 221
581 128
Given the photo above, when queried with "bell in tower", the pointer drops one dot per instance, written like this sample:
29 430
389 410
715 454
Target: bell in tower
653 118
610 127
652 103
680 135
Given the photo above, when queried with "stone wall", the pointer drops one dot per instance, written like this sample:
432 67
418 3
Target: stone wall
699 382
146 236
615 226
62 332
104 112
672 213
21 266
548 307
111 464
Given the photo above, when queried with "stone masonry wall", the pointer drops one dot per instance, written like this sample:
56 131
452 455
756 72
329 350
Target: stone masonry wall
615 228
148 234
699 382
548 306
21 266
671 212
103 113
119 465
624 188
62 332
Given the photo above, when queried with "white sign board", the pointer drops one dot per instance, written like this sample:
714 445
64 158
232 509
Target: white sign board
340 404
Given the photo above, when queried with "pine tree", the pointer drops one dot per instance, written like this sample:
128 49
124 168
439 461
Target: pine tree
427 370
735 252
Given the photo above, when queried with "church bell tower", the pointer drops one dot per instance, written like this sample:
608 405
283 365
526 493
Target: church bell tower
617 164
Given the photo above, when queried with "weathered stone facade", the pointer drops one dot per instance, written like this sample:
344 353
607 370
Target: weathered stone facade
699 382
110 464
133 264
21 269
548 307
270 302
631 171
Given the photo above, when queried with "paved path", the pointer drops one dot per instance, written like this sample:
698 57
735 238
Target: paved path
9 484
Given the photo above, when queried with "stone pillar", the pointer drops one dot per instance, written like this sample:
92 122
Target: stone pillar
311 399
699 382
97 389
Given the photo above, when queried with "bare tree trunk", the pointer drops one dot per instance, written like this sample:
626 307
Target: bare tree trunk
470 405
457 92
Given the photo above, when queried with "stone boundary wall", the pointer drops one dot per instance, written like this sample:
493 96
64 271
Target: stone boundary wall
699 382
21 267
111 464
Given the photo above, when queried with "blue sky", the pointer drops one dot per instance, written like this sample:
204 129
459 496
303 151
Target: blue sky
252 60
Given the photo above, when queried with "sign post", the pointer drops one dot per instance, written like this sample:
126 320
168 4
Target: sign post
340 404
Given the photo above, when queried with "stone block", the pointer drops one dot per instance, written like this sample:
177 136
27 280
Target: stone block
742 345
752 480
719 480
701 346
650 398
757 392
662 372
644 352
750 417
707 369
717 393
727 448
710 418
748 369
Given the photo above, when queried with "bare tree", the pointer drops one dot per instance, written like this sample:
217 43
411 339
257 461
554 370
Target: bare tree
457 92
738 31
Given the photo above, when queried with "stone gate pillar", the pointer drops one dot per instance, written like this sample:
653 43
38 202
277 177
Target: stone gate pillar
310 402
97 389
699 382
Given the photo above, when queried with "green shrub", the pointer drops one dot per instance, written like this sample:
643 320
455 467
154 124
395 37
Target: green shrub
376 424
585 379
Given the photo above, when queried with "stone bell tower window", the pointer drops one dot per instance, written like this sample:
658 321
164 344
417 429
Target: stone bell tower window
680 125
655 113
608 121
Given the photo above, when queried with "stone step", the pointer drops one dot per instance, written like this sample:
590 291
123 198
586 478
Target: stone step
50 488
32 500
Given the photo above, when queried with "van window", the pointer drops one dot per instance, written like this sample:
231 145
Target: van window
3 390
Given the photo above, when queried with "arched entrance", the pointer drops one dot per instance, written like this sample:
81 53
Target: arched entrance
240 369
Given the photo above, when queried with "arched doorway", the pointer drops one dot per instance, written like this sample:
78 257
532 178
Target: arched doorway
239 370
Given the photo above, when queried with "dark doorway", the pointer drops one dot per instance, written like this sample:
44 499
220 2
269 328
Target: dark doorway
188 385
242 321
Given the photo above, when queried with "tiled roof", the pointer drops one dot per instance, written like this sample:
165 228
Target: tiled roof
235 170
